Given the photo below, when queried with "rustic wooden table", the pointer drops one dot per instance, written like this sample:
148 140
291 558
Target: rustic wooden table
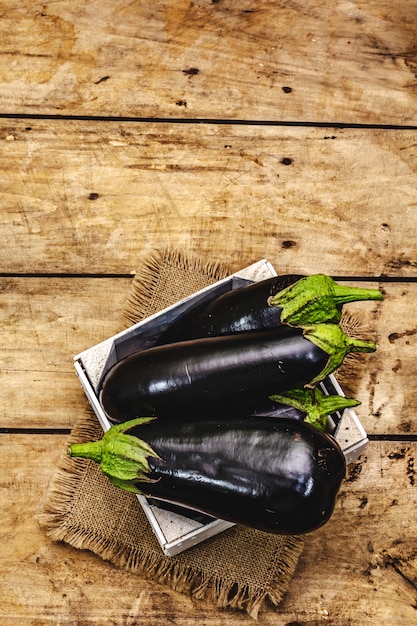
237 131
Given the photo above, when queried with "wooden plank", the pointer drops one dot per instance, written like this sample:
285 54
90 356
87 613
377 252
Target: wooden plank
322 62
89 197
381 380
45 321
350 571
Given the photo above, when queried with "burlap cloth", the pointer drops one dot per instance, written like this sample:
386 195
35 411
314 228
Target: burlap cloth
240 568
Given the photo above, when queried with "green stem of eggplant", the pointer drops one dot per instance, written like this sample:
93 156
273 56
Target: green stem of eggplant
122 458
317 299
344 294
331 339
315 404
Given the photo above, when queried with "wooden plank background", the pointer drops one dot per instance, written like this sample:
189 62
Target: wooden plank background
46 321
307 199
285 130
318 61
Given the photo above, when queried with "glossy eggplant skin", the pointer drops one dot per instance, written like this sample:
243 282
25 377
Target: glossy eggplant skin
278 476
210 376
239 310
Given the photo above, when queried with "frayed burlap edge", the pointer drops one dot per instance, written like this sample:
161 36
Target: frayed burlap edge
145 281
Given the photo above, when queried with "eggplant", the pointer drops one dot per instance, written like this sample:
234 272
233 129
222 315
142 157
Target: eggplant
243 308
222 375
290 299
278 476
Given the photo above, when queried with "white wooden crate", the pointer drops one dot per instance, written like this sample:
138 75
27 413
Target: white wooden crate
179 529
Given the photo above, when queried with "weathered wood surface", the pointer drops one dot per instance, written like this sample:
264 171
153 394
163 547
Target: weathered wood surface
90 196
46 321
359 570
320 61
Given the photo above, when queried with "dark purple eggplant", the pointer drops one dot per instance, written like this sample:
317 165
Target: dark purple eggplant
243 308
221 375
290 299
278 476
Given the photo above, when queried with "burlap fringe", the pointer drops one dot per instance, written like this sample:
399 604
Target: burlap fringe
163 570
221 592
64 485
146 280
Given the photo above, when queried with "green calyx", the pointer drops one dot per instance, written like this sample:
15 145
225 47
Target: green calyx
122 458
315 404
333 340
316 299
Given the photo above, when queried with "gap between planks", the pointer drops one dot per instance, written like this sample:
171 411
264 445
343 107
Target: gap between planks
219 121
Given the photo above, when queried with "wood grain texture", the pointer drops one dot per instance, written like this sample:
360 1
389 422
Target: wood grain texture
381 380
46 321
354 571
89 197
321 61
93 196
44 324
